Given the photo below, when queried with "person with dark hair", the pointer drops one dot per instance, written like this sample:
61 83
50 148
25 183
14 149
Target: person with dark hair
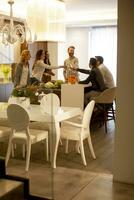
96 79
48 72
107 75
69 63
22 73
39 67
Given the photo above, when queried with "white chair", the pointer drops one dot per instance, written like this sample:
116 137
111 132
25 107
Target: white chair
75 131
19 120
50 103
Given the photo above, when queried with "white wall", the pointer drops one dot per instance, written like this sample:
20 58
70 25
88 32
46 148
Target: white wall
9 53
77 37
124 137
52 48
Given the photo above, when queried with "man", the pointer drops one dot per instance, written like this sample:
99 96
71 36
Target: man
96 79
70 64
107 75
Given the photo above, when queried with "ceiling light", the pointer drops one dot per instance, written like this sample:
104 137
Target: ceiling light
13 31
46 19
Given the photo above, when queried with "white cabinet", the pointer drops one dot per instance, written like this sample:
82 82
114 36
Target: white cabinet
72 95
5 91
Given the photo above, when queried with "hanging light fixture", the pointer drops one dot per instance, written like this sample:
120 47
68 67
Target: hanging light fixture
10 32
46 19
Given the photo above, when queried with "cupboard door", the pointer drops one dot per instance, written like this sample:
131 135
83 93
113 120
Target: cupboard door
5 91
2 92
9 88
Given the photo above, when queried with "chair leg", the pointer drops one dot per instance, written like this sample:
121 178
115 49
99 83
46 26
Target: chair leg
105 118
47 158
9 149
113 113
82 152
12 151
66 147
28 154
55 152
23 150
105 122
91 147
61 144
77 147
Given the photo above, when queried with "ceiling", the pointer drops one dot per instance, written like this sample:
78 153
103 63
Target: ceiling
91 12
78 12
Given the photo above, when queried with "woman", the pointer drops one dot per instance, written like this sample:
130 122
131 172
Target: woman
22 74
96 79
39 67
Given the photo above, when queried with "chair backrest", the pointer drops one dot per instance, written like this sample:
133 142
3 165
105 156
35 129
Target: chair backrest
18 117
106 97
50 103
87 114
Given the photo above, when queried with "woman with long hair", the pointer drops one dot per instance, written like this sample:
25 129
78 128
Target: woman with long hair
48 72
39 67
22 74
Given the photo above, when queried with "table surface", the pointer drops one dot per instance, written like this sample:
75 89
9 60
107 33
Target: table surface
37 114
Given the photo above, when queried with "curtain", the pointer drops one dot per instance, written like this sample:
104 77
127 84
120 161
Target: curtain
103 42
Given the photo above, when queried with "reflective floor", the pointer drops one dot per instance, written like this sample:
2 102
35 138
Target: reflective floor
71 180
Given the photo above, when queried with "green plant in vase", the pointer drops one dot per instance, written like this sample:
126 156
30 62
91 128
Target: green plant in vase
28 92
6 69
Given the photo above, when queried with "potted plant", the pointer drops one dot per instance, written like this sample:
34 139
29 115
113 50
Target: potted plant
6 69
21 94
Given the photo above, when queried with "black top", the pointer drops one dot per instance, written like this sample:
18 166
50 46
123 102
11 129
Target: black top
95 77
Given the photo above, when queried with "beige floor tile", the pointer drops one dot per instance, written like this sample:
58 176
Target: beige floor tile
103 188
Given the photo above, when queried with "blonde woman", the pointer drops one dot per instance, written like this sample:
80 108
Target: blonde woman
22 75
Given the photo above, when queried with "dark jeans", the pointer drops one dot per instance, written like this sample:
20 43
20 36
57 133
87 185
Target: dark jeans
34 81
87 89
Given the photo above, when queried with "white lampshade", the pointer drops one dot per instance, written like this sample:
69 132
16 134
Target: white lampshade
46 19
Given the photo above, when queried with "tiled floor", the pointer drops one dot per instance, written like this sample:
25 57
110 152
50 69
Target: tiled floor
71 180
71 184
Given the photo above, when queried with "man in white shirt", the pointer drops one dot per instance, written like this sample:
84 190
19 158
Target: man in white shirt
69 63
107 75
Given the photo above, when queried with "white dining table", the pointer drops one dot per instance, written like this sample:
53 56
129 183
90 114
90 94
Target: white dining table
37 114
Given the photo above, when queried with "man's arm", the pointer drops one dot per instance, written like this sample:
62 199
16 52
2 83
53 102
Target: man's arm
85 71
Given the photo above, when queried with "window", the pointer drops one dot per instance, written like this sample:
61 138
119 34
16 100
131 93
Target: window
103 42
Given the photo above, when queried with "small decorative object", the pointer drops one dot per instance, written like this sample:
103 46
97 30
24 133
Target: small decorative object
6 69
49 85
58 83
72 79
55 84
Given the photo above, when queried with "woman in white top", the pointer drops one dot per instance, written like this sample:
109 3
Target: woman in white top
39 67
22 74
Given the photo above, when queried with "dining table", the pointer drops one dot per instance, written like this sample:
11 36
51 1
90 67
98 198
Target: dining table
36 114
